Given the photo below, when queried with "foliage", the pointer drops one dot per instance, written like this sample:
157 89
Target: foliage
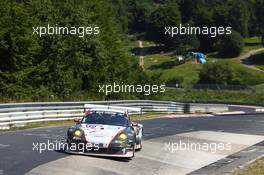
216 73
231 45
60 65
259 18
64 66
224 96
163 16
239 17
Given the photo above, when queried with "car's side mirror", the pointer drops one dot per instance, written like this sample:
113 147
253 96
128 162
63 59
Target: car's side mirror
76 120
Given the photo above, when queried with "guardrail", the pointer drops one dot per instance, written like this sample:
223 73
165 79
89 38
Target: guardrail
17 114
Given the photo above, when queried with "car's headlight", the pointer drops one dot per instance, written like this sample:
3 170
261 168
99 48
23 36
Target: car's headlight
122 136
77 133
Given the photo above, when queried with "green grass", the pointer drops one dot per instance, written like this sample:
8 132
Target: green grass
249 97
165 64
252 43
148 43
156 59
190 70
259 88
145 116
256 168
42 124
260 67
248 76
252 39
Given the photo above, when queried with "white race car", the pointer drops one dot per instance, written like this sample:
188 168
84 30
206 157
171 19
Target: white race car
105 131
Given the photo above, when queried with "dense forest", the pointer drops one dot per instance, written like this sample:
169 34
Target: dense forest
66 66
33 66
150 17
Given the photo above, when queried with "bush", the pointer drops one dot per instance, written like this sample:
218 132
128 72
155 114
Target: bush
231 45
217 73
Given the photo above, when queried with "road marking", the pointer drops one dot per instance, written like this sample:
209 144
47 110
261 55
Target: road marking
250 151
154 159
229 113
260 110
46 136
242 139
3 146
186 115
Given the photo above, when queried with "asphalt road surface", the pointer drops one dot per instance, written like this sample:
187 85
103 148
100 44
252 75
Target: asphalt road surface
158 156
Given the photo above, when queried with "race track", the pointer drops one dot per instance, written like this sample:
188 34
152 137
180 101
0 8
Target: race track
157 157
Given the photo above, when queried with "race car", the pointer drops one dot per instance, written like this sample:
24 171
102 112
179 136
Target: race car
105 131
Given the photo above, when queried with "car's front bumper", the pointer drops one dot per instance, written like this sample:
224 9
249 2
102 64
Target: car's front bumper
112 150
128 154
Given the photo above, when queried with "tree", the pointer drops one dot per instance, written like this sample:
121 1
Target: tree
239 17
260 19
164 16
187 8
17 44
138 12
168 15
203 15
61 65
218 73
231 45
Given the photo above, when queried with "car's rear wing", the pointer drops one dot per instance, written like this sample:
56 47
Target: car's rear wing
120 109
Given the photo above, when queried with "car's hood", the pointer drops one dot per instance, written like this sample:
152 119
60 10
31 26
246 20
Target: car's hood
97 133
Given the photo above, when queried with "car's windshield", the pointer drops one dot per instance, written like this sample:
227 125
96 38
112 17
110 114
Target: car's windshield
106 119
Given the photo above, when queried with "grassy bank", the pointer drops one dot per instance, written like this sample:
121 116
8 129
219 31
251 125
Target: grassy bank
256 168
224 96
165 64
253 96
252 43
